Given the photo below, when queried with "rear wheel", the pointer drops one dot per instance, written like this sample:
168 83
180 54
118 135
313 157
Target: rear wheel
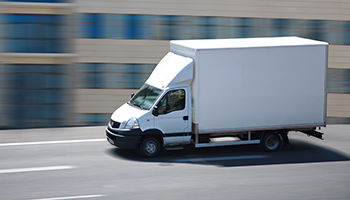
149 147
271 141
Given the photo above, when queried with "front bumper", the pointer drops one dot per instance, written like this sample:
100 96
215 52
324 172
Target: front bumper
124 139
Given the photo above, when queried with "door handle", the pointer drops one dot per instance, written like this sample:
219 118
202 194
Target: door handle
185 118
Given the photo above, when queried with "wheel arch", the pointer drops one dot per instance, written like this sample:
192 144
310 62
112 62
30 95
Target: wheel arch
153 133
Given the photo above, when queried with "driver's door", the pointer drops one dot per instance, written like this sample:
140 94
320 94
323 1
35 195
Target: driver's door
172 112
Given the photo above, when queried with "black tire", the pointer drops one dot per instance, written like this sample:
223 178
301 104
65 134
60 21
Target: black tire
271 142
149 147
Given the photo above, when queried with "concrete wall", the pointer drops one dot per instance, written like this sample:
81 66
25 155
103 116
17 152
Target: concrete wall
299 9
338 56
338 105
120 51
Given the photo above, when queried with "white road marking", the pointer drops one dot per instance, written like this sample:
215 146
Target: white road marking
73 197
50 142
34 169
221 158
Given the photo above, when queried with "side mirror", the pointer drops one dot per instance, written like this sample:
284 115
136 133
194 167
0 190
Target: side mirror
155 111
132 95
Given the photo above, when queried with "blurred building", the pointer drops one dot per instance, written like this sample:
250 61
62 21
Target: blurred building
66 63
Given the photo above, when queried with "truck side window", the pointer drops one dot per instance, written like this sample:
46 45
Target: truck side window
173 100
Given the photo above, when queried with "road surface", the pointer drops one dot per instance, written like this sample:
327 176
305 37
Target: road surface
78 163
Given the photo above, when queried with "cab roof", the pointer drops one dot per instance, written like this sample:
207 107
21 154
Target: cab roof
172 70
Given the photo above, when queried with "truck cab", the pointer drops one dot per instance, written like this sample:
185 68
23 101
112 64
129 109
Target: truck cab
159 114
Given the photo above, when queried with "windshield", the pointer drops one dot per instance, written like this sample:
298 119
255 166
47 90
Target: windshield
145 97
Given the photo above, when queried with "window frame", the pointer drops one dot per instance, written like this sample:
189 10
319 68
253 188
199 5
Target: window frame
165 95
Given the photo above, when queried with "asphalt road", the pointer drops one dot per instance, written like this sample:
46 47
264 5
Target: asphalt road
78 163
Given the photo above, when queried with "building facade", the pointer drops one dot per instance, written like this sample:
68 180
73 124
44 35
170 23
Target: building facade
68 63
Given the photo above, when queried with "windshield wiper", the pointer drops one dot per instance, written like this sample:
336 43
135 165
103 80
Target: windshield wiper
143 108
136 105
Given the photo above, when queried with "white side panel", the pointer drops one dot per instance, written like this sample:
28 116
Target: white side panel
267 87
171 141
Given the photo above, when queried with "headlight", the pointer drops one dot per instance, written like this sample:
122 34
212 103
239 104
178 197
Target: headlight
132 123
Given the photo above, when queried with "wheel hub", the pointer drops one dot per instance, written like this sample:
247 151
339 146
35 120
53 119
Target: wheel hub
150 147
272 142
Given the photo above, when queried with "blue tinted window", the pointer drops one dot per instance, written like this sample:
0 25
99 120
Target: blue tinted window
114 27
35 34
81 26
222 27
280 27
91 25
305 28
244 27
205 28
190 27
338 80
346 33
333 32
163 27
317 30
96 25
186 27
36 95
133 26
338 120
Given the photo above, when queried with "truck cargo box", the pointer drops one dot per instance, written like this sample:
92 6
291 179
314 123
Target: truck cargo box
256 84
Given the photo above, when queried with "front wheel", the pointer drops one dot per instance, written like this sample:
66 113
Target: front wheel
271 142
149 147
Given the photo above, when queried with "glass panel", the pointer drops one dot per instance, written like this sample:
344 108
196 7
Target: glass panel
190 27
35 33
36 95
338 80
223 27
346 35
172 101
145 97
333 32
205 28
338 120
114 26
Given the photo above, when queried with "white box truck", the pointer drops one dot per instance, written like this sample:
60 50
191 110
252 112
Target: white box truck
217 92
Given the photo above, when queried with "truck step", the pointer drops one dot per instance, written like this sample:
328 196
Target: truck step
227 143
174 148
